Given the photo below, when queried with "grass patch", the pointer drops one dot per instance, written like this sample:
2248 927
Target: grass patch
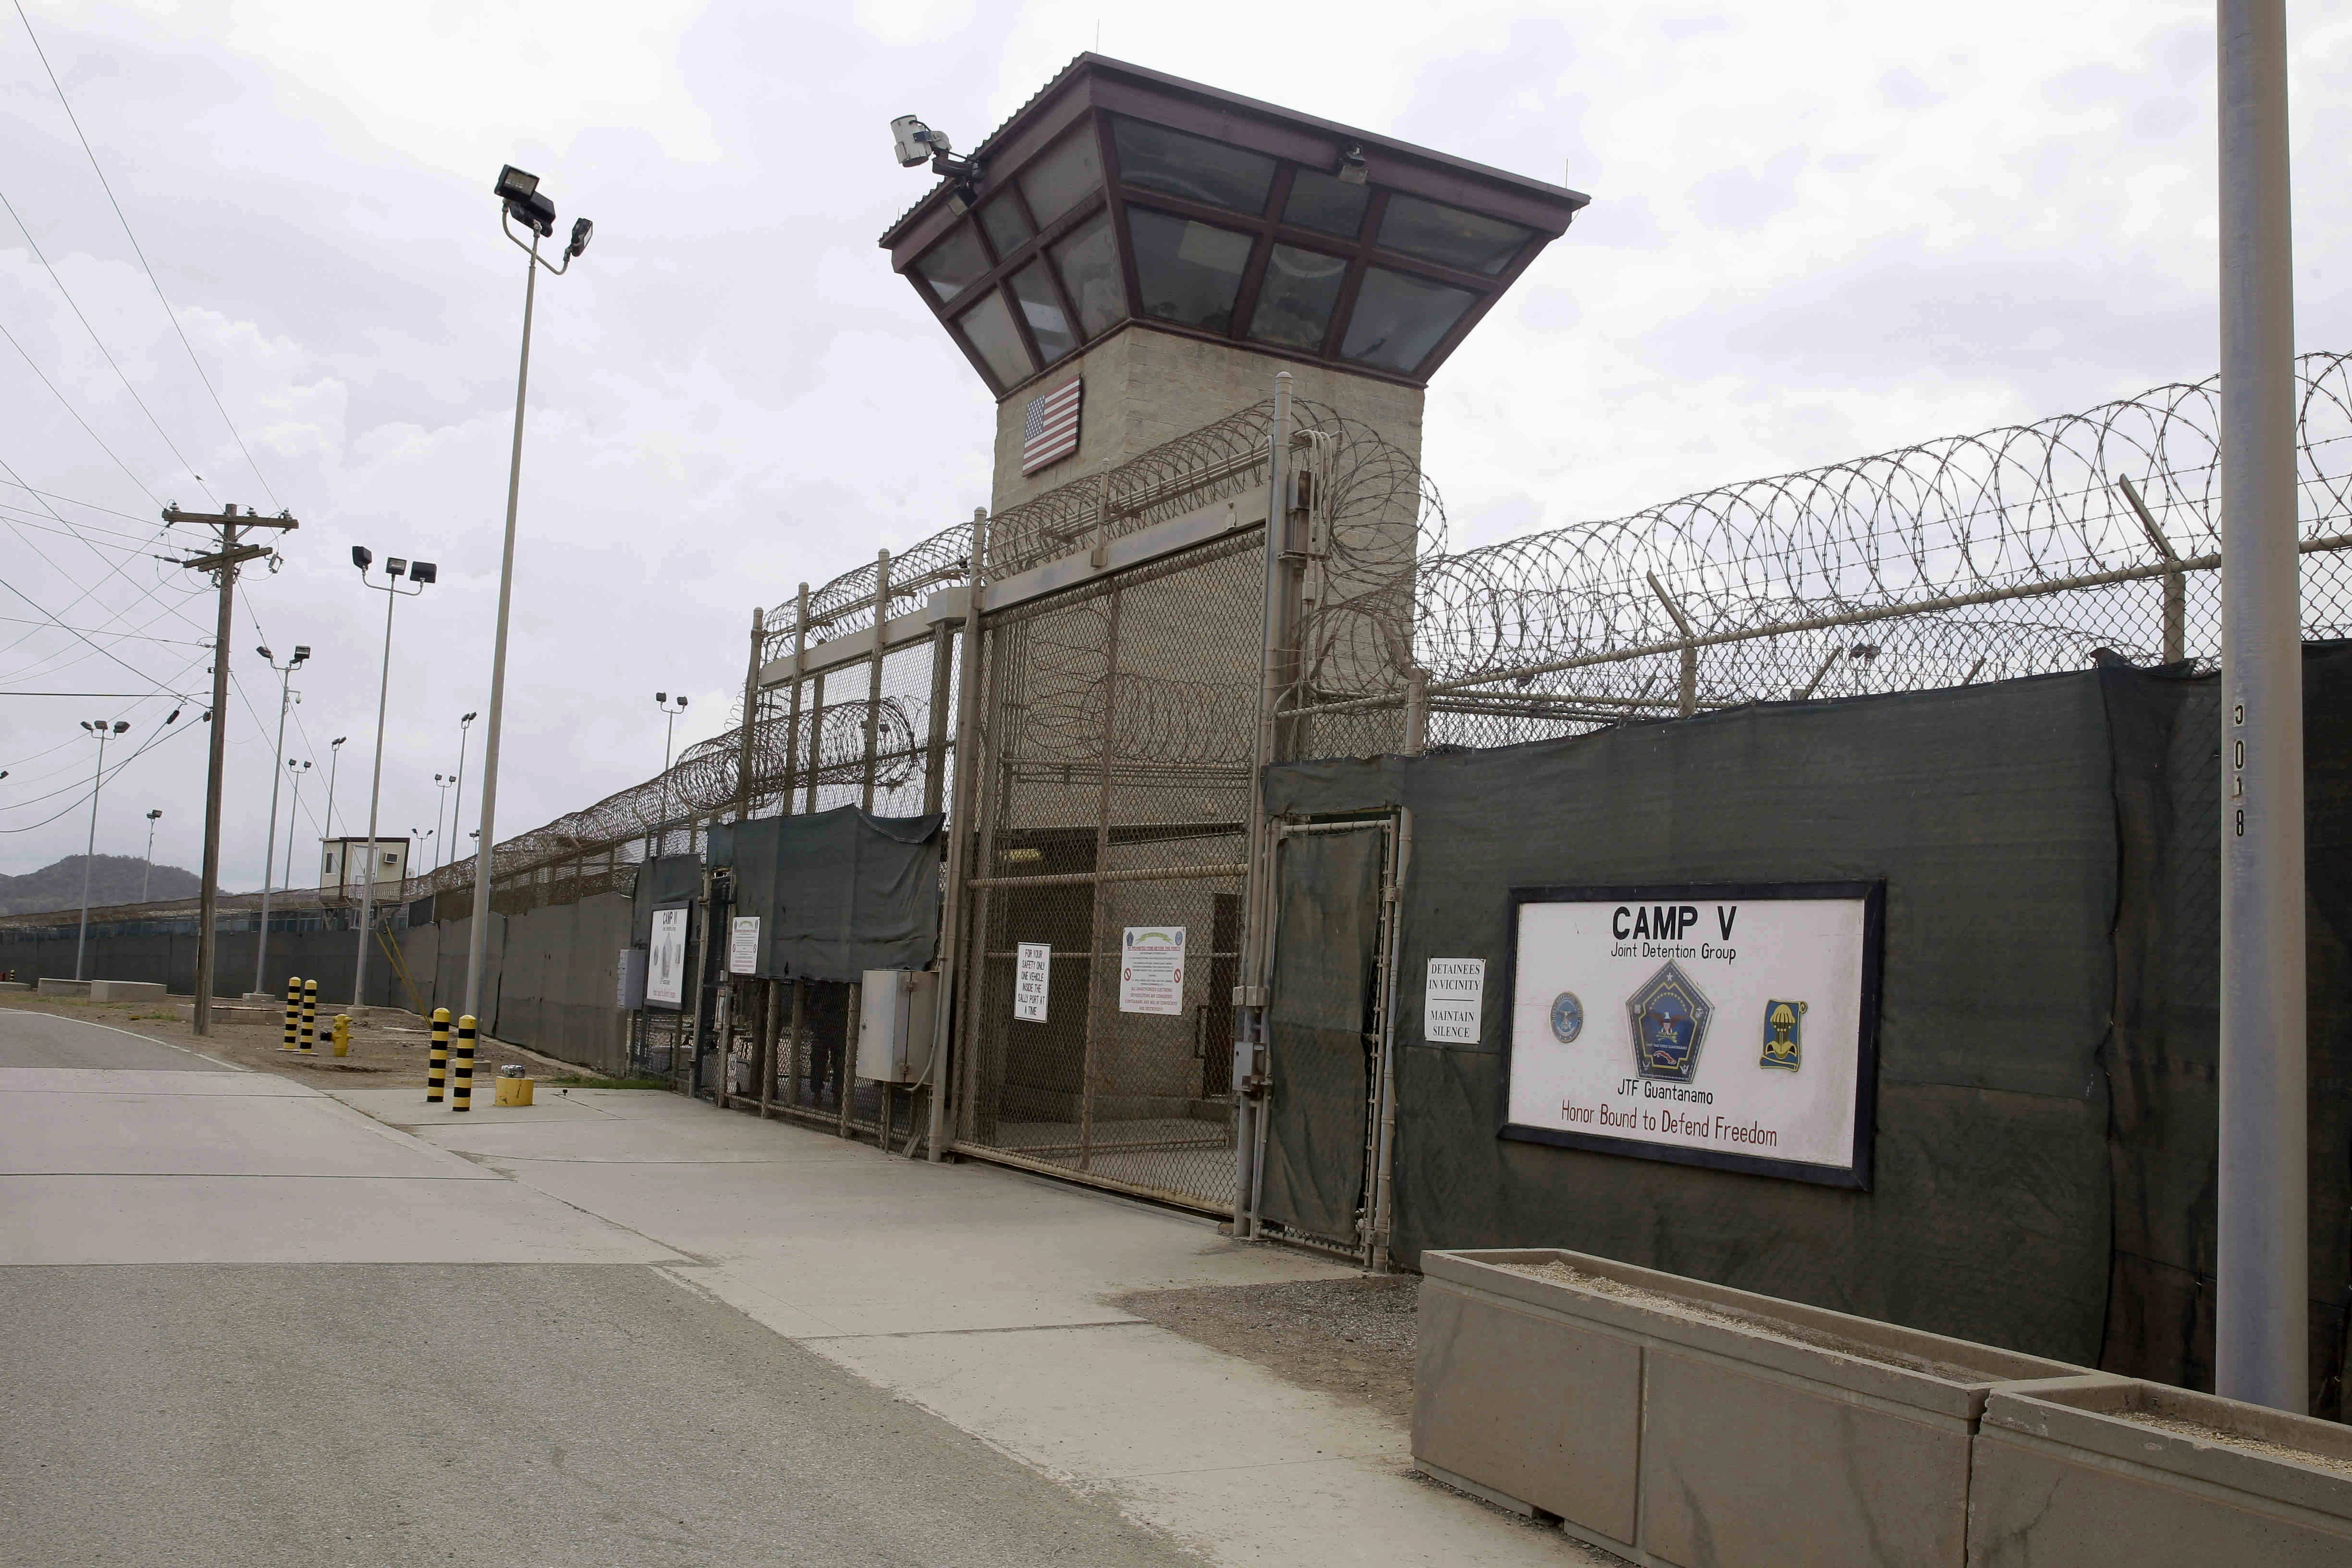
581 1080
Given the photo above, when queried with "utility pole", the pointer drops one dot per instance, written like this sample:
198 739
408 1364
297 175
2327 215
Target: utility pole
223 563
2261 1269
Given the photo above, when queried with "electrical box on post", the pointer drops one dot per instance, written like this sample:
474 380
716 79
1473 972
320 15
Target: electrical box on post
894 1024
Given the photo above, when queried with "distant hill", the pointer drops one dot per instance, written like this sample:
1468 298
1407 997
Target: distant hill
113 879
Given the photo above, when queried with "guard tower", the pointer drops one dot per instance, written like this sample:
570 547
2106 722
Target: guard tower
1167 247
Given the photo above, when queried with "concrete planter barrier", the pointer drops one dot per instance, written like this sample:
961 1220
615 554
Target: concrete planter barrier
2092 1472
1674 1422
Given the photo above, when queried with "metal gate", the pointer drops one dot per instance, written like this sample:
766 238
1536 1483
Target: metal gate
1322 1174
1115 817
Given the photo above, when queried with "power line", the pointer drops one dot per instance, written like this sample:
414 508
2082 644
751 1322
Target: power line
69 408
89 505
102 632
149 744
172 315
25 229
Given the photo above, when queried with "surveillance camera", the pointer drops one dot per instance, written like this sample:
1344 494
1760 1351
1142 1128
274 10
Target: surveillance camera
580 229
915 141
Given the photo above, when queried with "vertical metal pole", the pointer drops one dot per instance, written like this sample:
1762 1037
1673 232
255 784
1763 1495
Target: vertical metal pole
147 870
2262 1349
874 684
478 938
743 752
208 896
375 797
269 854
96 782
1096 965
845 1077
792 718
1249 1008
798 1047
935 744
1416 711
2176 585
815 744
955 974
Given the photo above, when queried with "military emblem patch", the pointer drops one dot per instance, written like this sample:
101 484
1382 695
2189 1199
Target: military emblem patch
1669 1014
1566 1017
1784 1035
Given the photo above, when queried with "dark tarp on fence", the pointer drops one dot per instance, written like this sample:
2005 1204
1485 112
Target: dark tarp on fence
1326 924
1987 813
2049 1051
838 892
2164 1062
665 881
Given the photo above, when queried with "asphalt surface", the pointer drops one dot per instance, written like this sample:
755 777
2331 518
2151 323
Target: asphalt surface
46 1040
484 1413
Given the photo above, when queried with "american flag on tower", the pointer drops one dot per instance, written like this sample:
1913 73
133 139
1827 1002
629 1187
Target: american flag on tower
1049 428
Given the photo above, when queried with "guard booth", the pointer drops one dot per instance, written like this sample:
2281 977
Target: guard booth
1130 264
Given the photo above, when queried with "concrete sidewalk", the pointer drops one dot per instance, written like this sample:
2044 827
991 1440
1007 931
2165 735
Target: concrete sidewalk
981 1295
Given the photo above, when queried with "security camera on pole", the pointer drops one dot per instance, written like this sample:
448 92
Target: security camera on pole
287 698
520 202
419 572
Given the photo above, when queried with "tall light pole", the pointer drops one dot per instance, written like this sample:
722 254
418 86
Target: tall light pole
661 700
2262 1283
442 783
102 730
425 837
458 807
285 699
146 876
520 202
334 761
419 572
294 771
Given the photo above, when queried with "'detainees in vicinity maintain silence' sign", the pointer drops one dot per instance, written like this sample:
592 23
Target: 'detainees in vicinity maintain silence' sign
1732 1026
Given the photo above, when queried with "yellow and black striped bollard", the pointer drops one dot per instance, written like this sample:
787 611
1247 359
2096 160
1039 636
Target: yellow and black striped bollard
461 1085
437 1069
310 1017
293 1010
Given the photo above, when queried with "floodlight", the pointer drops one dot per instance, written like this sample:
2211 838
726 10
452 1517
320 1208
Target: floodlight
1352 166
362 556
150 815
514 185
120 725
394 566
301 651
173 717
85 723
534 211
681 699
265 652
423 571
580 229
661 696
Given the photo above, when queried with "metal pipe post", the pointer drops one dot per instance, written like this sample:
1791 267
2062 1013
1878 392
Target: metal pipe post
269 854
874 687
97 782
2262 1349
953 975
750 717
1249 1008
375 798
477 939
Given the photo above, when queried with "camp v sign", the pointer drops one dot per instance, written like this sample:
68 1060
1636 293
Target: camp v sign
1732 1026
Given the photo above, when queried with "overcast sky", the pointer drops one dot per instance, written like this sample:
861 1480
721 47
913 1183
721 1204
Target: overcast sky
1817 230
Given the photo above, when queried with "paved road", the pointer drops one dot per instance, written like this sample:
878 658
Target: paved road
250 1326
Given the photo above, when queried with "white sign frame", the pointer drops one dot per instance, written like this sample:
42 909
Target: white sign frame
1731 1106
743 945
1152 970
1032 980
666 959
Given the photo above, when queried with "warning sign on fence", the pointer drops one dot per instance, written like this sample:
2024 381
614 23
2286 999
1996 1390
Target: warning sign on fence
743 945
1033 970
1152 970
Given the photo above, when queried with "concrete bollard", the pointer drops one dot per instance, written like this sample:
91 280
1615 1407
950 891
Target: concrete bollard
461 1088
293 1010
311 1018
436 1066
